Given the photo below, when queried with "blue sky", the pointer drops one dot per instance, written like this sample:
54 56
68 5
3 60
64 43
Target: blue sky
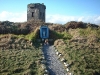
57 11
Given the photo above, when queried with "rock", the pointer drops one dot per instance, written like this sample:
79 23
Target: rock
62 59
67 69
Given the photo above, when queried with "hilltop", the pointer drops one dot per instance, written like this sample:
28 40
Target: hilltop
30 26
29 31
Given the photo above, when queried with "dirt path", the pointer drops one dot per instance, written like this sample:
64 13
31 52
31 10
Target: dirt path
54 66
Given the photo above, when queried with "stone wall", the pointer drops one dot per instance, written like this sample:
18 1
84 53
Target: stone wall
36 11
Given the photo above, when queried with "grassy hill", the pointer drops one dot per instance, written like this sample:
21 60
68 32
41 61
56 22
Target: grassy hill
20 54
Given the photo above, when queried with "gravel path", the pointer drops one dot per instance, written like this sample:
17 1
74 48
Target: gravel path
54 66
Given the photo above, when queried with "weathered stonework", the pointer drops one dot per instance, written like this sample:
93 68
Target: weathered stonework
36 11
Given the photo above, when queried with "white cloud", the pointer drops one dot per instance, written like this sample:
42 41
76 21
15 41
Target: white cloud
64 19
14 17
57 18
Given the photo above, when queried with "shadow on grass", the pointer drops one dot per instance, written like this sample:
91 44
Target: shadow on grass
36 44
96 73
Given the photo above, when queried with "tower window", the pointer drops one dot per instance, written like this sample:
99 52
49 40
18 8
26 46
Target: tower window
32 7
32 14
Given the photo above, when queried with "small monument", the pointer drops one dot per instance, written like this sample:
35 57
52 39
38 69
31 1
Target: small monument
36 11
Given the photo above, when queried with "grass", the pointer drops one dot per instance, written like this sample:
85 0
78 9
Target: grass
23 61
30 37
20 62
60 35
90 31
83 57
84 61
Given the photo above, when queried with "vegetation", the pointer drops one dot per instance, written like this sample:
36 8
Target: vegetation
90 31
31 36
24 28
82 51
20 62
20 54
60 35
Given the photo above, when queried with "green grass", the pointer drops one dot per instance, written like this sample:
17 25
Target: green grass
61 35
31 36
90 31
20 62
85 61
84 57
66 35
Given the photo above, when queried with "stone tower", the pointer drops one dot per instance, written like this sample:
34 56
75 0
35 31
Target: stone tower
36 11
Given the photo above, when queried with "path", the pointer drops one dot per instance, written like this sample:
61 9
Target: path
54 66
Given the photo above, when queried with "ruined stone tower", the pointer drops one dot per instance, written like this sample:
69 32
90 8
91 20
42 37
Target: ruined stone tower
36 11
